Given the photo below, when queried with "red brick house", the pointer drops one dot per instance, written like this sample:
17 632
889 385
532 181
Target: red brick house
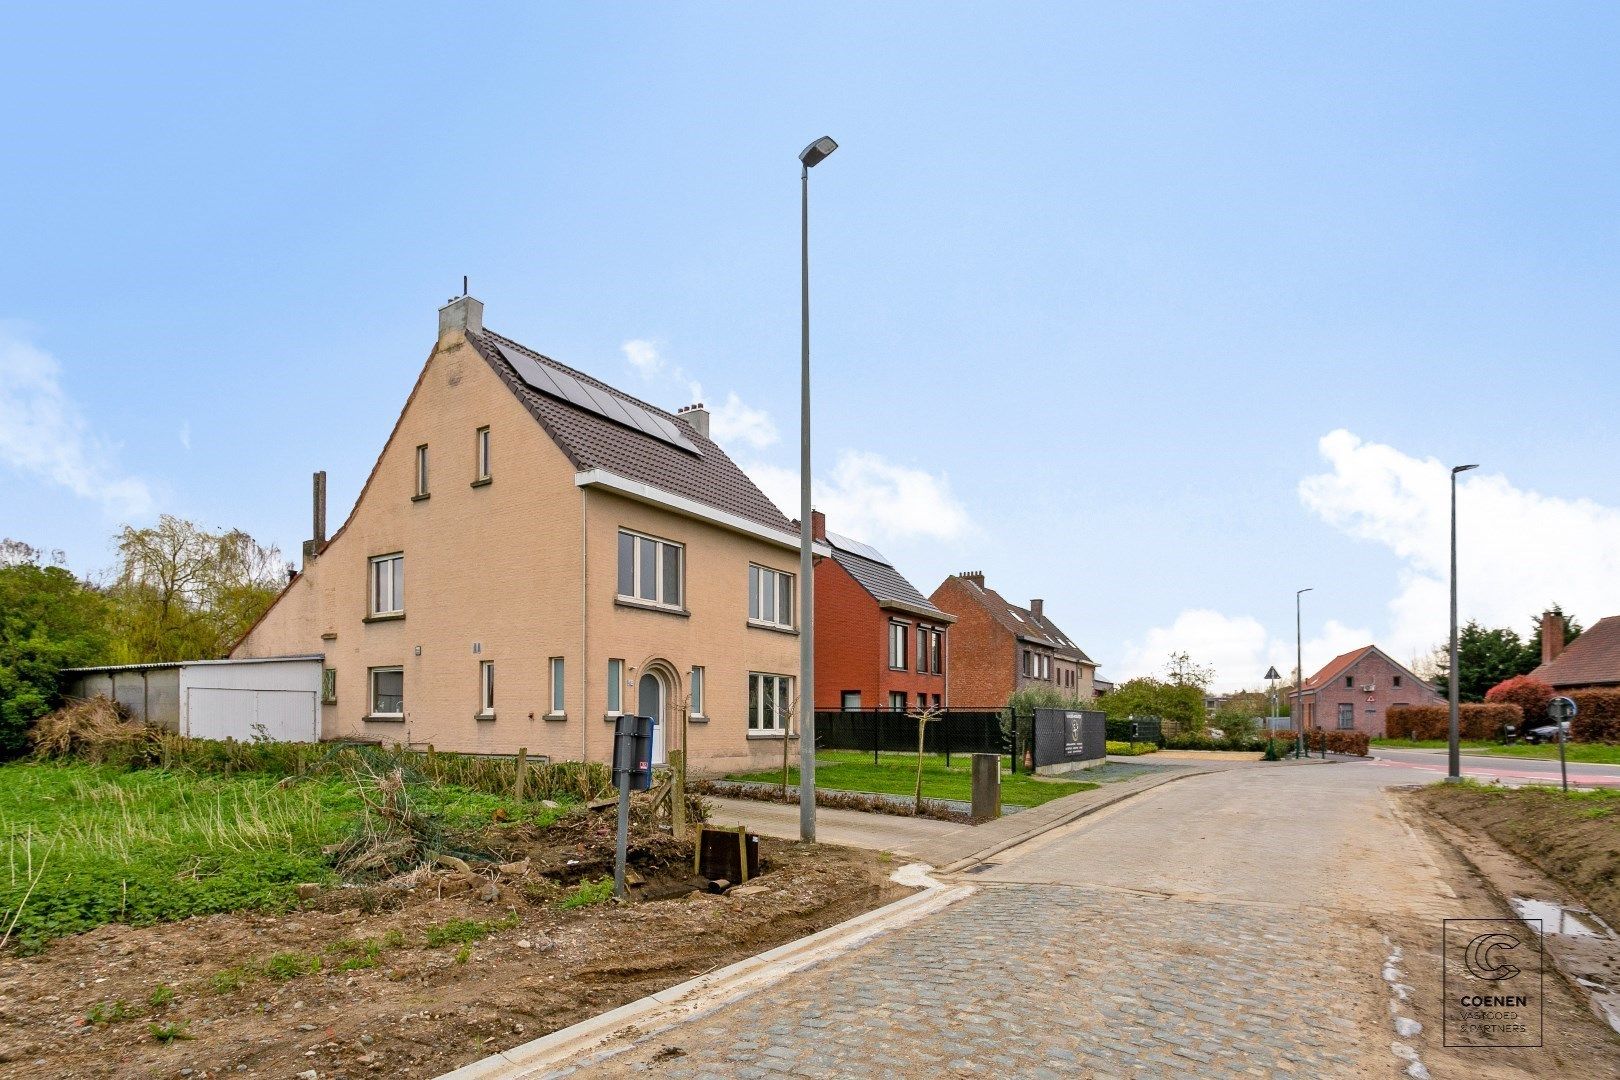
880 644
1354 692
1589 662
999 648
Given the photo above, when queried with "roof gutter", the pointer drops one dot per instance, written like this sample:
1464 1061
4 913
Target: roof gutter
931 613
680 504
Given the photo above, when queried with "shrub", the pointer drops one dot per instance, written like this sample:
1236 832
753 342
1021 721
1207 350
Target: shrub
1338 742
1474 721
1129 749
1597 716
1530 695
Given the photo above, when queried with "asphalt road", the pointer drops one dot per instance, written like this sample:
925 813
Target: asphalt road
1510 770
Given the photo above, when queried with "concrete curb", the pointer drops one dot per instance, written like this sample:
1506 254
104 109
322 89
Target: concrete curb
704 993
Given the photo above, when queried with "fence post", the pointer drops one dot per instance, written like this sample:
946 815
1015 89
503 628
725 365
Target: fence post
522 767
877 737
945 737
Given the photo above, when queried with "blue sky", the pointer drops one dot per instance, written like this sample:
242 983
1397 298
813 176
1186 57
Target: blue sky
1091 287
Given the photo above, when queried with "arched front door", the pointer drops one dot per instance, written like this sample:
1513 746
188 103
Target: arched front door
650 702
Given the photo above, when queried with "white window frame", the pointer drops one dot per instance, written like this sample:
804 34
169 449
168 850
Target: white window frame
615 687
899 640
395 592
422 469
559 685
697 686
486 688
766 688
663 550
766 585
371 678
481 453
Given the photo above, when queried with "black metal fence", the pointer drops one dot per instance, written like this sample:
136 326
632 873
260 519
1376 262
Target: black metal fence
955 731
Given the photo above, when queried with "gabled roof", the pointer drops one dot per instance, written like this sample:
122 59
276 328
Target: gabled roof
877 575
1023 623
1593 659
1336 668
591 441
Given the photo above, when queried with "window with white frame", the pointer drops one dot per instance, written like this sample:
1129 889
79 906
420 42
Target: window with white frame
557 700
922 649
770 597
422 469
770 701
388 584
388 691
650 570
615 687
481 454
936 651
695 683
486 688
897 645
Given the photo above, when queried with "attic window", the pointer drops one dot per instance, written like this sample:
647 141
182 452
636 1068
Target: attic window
1349 682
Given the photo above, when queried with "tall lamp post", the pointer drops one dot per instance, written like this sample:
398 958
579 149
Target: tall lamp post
1299 677
1454 755
811 156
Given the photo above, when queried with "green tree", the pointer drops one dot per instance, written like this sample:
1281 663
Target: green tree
181 592
49 620
1532 646
1485 657
1179 707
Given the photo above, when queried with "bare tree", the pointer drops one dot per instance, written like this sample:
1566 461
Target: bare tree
924 717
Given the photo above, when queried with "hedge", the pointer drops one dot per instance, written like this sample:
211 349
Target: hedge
1474 721
1338 742
1597 716
1530 695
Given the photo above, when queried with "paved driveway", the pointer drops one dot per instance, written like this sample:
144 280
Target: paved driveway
1225 925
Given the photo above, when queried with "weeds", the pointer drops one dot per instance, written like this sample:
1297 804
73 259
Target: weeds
104 1012
169 1031
161 997
231 978
463 954
290 965
587 893
467 931
359 954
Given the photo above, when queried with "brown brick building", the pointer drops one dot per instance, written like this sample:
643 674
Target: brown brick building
1355 691
1589 662
880 644
998 648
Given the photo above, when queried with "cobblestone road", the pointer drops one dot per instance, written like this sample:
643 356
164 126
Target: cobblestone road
1216 928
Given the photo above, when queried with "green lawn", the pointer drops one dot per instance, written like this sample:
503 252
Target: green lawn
896 774
1586 753
82 845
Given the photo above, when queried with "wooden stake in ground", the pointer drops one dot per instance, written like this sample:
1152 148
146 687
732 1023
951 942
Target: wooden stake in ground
677 766
924 717
522 767
786 723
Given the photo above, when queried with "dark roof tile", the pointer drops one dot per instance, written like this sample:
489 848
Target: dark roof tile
1593 659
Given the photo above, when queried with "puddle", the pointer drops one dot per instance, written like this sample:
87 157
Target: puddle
1558 919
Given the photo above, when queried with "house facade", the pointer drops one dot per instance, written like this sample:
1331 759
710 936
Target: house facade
1354 692
880 644
999 648
1591 661
536 552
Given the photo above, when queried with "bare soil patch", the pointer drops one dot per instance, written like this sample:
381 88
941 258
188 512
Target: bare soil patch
98 1004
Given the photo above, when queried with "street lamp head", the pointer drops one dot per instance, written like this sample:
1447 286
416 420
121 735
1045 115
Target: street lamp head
1302 592
1462 468
817 150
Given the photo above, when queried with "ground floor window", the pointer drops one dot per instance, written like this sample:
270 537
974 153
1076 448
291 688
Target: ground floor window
486 688
557 700
1347 716
695 706
770 701
388 691
897 700
850 701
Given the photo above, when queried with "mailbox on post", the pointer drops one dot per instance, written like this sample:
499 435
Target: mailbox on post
632 770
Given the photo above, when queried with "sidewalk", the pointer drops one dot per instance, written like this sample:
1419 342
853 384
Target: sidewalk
850 828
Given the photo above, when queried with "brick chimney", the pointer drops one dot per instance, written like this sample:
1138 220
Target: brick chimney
1036 608
974 576
697 416
1552 636
818 525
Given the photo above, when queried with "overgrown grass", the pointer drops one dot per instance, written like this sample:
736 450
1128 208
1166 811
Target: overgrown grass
82 845
587 893
896 774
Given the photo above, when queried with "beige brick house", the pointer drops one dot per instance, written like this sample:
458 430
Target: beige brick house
533 553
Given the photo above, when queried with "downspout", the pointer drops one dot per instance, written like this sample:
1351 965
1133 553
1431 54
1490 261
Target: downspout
584 627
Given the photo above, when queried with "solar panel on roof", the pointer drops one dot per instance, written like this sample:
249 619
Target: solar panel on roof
855 547
565 386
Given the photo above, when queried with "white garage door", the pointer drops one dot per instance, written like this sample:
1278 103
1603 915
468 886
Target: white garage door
280 715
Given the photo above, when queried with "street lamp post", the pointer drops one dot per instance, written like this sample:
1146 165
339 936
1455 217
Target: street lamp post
810 157
1454 755
1299 676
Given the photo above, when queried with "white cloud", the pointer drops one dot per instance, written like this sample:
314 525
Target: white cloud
43 433
873 499
735 421
1237 647
643 356
1518 550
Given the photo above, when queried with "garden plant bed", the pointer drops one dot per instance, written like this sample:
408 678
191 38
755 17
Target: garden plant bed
426 985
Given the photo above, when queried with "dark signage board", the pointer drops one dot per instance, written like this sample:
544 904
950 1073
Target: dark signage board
1069 735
